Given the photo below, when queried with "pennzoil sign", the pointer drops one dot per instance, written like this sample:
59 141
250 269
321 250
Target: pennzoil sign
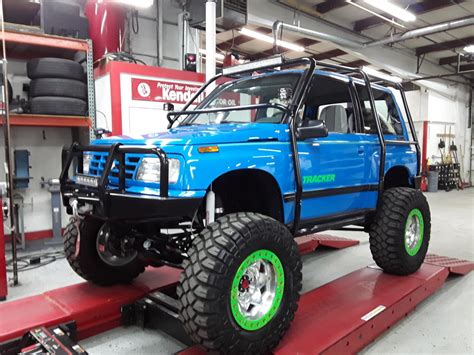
163 91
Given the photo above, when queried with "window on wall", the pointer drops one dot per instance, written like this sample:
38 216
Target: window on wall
386 109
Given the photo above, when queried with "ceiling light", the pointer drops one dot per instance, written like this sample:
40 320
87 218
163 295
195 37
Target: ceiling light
469 49
375 14
392 9
380 75
135 3
269 39
219 56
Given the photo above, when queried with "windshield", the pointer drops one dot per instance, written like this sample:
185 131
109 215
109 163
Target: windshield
273 93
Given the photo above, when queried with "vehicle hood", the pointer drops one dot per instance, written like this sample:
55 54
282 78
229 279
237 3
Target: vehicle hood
207 134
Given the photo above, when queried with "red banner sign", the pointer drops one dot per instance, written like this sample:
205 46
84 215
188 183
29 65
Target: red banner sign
163 91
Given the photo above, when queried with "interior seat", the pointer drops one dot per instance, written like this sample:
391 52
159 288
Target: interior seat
335 117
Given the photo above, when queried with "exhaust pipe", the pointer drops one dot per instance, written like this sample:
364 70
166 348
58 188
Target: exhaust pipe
278 27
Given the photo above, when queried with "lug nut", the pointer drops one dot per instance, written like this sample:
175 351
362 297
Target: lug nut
147 244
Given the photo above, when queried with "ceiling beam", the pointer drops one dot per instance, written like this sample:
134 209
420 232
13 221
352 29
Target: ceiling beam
356 63
437 47
448 60
451 59
329 54
466 67
330 5
418 8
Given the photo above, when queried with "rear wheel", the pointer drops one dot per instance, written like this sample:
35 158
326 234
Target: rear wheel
98 258
400 233
240 286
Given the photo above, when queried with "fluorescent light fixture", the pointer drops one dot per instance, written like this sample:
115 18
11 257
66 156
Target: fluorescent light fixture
269 39
219 56
380 75
469 49
375 14
392 9
270 62
135 3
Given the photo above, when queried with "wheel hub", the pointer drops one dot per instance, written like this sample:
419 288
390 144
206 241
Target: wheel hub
113 249
257 290
414 232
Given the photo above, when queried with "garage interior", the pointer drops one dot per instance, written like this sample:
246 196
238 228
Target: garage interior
84 70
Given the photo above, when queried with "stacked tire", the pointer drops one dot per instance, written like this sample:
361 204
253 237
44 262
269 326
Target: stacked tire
58 87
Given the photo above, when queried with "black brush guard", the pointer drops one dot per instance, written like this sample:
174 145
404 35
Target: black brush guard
113 202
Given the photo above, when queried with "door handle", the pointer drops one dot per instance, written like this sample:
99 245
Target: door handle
361 150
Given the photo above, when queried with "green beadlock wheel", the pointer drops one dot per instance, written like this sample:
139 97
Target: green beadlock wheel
239 289
414 229
257 290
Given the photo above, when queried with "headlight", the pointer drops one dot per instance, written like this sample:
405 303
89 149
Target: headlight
149 170
87 157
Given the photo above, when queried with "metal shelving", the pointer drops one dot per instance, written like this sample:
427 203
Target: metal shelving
41 45
49 121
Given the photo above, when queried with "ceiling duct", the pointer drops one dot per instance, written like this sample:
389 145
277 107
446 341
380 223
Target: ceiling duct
279 26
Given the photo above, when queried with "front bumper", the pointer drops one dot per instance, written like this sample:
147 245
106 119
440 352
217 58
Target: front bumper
114 202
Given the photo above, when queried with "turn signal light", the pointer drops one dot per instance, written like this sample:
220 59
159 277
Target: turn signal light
209 149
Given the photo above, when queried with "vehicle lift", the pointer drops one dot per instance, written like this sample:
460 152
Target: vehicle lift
347 313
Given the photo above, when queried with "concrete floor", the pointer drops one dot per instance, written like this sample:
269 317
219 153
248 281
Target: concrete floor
442 324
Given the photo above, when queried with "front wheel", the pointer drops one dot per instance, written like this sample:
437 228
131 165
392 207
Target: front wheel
88 249
400 233
240 286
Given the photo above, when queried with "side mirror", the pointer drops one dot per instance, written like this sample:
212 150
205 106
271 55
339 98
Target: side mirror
100 132
312 129
168 106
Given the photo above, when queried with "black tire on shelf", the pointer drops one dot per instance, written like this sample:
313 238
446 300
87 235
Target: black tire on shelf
58 87
55 68
215 274
52 105
88 264
401 208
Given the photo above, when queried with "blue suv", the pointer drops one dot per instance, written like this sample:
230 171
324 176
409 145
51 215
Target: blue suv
280 148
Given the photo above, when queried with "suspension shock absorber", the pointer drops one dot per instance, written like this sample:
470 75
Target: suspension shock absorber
210 206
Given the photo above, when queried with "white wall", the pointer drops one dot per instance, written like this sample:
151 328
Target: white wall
443 112
44 145
144 42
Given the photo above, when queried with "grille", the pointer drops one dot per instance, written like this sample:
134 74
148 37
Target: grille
98 161
236 5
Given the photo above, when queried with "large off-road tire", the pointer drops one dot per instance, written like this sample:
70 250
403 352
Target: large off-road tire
88 264
51 105
55 68
58 87
228 262
400 233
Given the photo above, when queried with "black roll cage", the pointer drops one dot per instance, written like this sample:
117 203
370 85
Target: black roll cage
292 110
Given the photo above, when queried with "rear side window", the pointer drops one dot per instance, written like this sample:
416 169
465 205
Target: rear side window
386 110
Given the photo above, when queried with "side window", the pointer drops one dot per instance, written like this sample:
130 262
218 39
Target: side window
386 110
330 101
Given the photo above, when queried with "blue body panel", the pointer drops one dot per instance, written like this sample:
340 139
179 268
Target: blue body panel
349 160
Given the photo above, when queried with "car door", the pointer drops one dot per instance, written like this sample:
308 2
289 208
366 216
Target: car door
333 168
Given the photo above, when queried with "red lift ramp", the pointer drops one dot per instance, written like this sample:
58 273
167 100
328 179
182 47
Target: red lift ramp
95 309
345 315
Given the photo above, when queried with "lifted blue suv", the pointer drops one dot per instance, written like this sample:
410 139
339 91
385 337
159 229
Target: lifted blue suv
278 149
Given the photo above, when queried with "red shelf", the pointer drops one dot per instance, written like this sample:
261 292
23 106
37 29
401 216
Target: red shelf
45 40
49 121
